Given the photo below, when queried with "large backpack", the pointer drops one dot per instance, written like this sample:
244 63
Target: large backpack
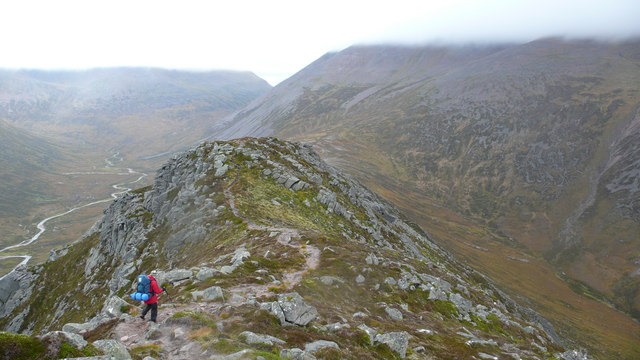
144 284
143 290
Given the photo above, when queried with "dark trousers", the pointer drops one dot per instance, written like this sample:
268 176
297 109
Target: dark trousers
154 311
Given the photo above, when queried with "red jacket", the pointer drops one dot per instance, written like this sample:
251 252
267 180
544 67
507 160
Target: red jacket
155 289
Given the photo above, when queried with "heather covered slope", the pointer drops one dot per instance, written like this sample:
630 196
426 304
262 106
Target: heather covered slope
535 143
267 251
25 160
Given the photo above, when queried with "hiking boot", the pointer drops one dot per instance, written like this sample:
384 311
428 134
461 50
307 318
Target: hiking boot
141 317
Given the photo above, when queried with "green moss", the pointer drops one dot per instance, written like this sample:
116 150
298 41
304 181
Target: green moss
142 351
384 351
445 307
198 318
329 354
103 331
69 351
226 346
267 355
21 347
80 305
492 325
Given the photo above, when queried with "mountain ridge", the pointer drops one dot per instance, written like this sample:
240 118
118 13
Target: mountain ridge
216 220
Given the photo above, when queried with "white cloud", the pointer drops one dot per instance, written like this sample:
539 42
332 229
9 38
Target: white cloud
276 38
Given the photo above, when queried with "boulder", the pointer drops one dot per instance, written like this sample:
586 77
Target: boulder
79 328
295 310
114 348
178 333
463 305
372 259
574 355
227 269
242 354
394 314
75 340
296 354
240 255
335 327
370 332
397 341
205 273
172 276
320 344
330 280
112 306
253 338
212 293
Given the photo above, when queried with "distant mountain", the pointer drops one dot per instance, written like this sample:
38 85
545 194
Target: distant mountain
266 252
103 123
38 95
139 110
537 141
25 160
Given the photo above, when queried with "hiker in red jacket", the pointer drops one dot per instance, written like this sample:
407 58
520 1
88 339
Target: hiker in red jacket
152 303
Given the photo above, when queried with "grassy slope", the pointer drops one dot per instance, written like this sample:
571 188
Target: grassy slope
383 141
25 159
575 311
606 332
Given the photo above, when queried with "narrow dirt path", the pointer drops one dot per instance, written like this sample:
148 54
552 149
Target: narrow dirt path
285 236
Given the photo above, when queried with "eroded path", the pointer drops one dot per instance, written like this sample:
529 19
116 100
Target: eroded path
285 236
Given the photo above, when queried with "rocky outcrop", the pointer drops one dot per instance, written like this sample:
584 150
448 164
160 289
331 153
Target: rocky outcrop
291 309
15 288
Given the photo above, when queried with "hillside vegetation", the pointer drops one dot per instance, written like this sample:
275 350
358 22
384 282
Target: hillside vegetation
267 251
24 162
531 142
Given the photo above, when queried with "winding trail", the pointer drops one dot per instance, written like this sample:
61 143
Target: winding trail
120 189
285 237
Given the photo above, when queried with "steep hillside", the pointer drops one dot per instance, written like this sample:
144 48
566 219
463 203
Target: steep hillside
137 110
267 251
24 160
536 141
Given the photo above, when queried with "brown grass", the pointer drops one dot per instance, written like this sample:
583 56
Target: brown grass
606 332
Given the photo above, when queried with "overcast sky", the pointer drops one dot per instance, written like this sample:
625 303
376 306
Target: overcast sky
273 38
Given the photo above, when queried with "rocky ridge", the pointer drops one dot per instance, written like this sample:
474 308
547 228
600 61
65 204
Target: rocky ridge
268 252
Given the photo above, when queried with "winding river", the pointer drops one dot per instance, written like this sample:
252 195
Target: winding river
120 189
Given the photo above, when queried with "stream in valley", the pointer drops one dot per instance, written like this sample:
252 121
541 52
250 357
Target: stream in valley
120 189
